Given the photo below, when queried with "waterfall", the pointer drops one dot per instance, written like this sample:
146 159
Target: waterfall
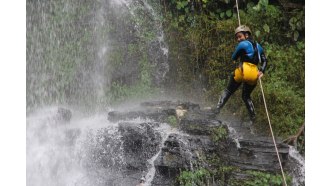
80 56
83 57
91 150
234 136
298 167
165 131
61 153
158 46
92 53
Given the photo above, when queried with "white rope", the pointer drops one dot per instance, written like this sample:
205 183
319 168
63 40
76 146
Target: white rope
263 96
239 20
271 130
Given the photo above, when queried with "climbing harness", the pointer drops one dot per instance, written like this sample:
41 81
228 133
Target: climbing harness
263 96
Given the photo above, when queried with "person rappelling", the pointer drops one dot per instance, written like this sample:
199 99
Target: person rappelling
247 72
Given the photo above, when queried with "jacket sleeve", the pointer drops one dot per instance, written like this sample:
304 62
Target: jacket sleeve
263 59
238 51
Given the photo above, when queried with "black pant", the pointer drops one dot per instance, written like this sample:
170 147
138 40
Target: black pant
246 95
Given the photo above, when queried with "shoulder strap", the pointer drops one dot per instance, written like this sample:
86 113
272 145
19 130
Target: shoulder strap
256 55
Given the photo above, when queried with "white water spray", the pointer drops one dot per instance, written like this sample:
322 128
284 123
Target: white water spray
298 172
233 135
165 131
62 153
77 50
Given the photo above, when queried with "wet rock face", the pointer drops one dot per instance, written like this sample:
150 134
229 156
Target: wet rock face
160 139
257 154
181 153
199 126
140 143
201 138
156 115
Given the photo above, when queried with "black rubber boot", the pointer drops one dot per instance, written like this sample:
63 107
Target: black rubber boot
250 107
231 88
247 89
222 101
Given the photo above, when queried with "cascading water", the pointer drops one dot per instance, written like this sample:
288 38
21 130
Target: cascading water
158 46
298 167
61 153
241 135
151 173
82 56
233 135
82 53
88 151
79 56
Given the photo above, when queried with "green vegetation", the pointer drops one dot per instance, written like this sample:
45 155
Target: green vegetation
200 36
265 179
219 134
140 89
62 48
64 60
172 120
191 178
223 175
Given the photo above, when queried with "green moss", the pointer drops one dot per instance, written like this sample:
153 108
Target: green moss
202 41
172 120
219 134
197 177
265 179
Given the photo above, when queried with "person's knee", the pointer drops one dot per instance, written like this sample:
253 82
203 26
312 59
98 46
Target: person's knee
227 92
246 97
246 94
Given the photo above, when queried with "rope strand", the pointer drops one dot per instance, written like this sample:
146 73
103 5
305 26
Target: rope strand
239 20
263 96
271 130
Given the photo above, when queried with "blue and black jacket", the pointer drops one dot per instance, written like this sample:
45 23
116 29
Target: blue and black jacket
247 51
